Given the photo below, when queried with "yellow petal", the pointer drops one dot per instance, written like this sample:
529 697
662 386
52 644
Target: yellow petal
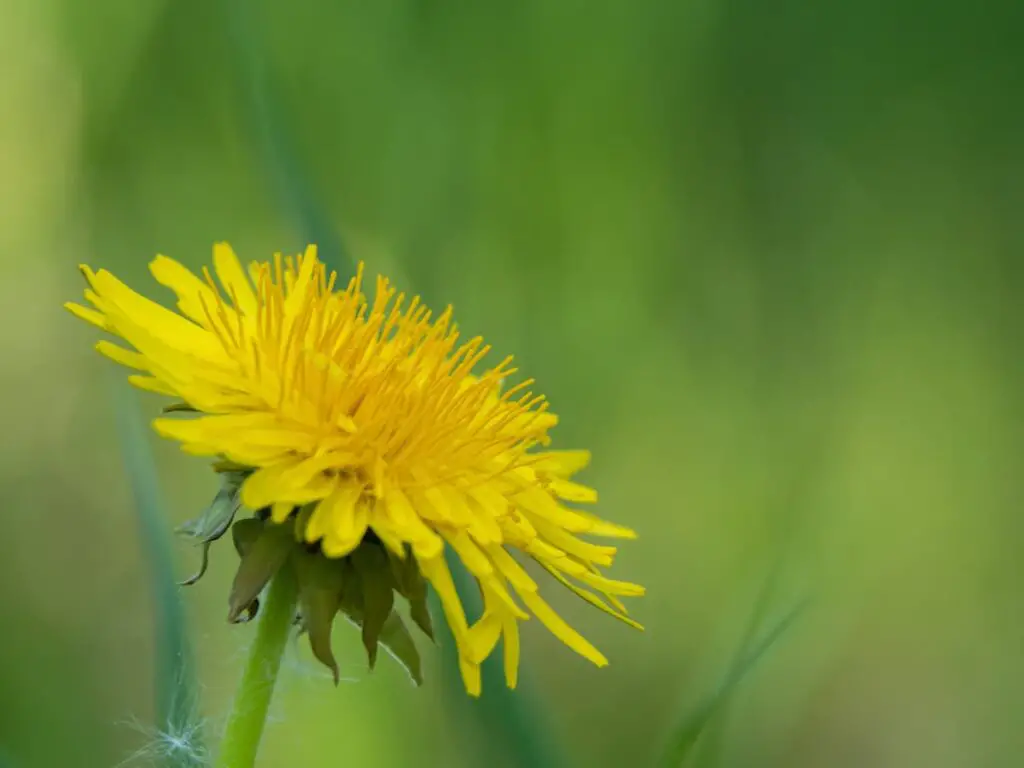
470 676
386 531
584 550
510 640
611 586
483 636
511 570
435 570
471 555
192 292
341 519
557 626
266 485
303 282
591 598
164 325
152 384
498 599
408 524
89 315
280 511
122 356
441 503
170 362
216 426
570 491
537 501
560 463
254 456
599 527
233 278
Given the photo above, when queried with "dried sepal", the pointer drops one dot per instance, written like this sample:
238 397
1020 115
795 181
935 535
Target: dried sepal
204 563
214 521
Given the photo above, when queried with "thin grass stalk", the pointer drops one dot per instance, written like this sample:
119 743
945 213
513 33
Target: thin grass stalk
177 700
508 718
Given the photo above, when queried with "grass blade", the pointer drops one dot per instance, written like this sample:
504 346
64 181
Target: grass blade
178 722
690 728
513 719
708 743
505 715
286 176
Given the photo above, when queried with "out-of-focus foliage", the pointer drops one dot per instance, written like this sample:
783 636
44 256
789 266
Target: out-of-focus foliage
765 259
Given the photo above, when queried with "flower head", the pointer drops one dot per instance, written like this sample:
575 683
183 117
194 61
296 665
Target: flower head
359 428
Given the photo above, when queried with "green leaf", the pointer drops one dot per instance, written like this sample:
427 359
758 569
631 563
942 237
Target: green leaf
176 685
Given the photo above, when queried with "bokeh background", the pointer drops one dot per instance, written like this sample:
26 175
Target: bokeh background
764 257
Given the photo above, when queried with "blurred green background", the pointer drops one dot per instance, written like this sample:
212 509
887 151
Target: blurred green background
764 257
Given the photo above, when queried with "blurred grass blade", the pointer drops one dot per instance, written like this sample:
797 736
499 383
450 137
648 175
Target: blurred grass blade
709 743
178 723
709 747
287 179
514 719
508 716
690 728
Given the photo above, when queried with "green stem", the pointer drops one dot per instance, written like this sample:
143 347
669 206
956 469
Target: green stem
249 714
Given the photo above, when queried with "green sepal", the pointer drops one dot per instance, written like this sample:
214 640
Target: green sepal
419 611
260 560
225 466
396 640
393 635
371 564
413 587
351 593
244 534
321 585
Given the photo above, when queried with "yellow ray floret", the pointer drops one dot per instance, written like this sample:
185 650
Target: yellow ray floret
370 412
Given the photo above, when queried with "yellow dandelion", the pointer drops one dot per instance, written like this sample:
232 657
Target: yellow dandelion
359 429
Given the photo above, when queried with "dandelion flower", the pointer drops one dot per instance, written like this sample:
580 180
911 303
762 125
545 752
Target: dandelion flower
359 434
